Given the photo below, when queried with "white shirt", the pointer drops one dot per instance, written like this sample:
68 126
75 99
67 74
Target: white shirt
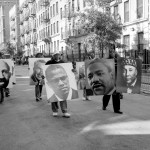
68 98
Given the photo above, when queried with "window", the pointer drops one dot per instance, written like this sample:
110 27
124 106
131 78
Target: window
57 27
54 46
53 10
84 3
139 8
56 7
54 28
60 13
61 33
115 11
58 45
126 11
126 41
51 29
140 41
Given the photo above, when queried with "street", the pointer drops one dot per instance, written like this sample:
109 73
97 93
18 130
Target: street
29 125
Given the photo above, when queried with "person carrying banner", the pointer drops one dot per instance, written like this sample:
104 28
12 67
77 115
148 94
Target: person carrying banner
38 78
4 83
51 74
101 79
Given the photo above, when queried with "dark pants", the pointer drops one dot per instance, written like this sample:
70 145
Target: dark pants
38 91
7 92
115 101
63 106
1 95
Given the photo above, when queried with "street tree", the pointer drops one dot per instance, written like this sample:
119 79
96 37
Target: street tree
9 48
101 27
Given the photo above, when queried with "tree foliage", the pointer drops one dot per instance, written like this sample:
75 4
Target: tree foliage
9 49
101 27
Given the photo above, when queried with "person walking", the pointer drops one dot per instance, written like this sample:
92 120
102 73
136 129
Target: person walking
56 59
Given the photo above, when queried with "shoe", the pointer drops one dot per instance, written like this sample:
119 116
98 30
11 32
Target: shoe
37 100
104 108
118 112
55 114
66 115
40 98
83 99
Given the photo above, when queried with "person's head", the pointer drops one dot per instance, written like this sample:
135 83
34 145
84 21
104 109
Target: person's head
57 57
38 66
101 76
3 66
58 80
129 67
5 74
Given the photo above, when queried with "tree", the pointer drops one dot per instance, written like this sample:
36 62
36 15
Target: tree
101 27
9 49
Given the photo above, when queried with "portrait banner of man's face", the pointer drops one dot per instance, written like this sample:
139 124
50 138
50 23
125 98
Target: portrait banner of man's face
128 75
8 64
100 76
60 82
35 67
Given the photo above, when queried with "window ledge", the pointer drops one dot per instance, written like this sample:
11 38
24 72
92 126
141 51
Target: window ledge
135 21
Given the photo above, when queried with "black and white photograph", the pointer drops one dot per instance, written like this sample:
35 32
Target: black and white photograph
100 76
74 74
60 82
129 72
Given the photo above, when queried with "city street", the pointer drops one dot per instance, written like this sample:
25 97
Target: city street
29 125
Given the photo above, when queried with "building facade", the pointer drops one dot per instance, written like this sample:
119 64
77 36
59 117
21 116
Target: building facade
5 6
134 17
14 27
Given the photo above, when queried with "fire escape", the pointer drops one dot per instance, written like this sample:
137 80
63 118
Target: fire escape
46 21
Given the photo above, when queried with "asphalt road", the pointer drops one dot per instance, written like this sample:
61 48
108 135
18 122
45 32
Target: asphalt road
29 125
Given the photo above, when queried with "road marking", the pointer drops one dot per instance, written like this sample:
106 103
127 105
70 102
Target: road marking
138 127
27 90
26 77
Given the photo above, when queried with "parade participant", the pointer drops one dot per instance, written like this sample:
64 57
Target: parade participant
57 78
4 83
38 78
4 66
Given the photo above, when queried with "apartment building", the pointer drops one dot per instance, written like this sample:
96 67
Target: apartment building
28 34
134 17
14 27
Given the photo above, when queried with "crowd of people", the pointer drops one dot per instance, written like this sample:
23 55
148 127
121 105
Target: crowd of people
100 74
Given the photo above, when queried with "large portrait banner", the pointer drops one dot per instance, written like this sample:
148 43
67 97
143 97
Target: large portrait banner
8 66
60 82
35 66
129 75
100 76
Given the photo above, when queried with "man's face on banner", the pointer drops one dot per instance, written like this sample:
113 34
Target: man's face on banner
3 66
38 67
58 80
100 78
129 73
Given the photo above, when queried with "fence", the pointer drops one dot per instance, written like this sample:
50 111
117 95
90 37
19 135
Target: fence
145 83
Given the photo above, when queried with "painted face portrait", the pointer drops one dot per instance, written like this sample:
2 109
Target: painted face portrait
3 66
100 78
38 66
129 74
58 80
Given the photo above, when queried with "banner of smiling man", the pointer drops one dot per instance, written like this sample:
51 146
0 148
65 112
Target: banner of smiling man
8 64
100 76
60 82
129 72
35 64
